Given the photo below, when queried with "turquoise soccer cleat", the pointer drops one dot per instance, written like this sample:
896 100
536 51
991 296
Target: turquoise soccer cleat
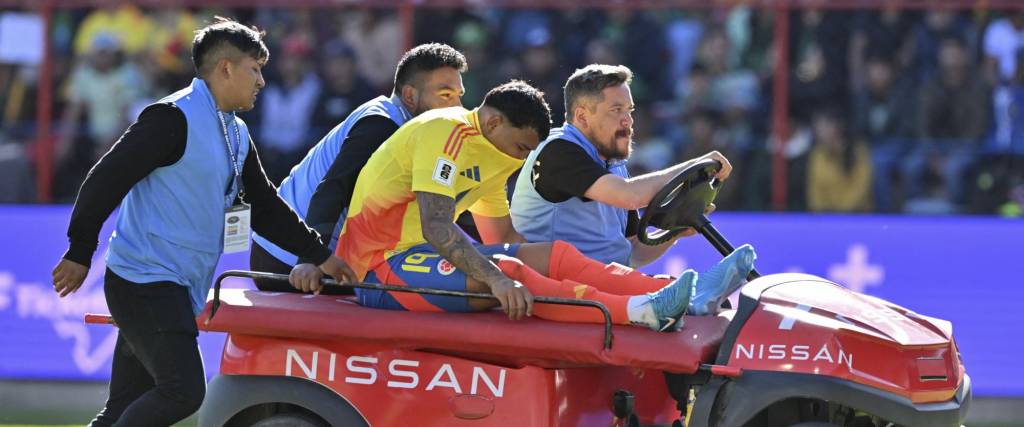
670 303
716 284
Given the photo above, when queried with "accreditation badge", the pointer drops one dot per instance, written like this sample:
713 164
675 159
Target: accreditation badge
236 228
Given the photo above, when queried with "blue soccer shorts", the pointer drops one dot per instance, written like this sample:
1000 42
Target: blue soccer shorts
422 267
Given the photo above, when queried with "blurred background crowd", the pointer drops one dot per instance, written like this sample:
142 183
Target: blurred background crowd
892 111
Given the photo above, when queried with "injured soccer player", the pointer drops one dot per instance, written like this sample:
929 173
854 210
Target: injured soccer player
400 228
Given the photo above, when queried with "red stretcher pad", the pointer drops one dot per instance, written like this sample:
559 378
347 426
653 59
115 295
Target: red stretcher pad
483 336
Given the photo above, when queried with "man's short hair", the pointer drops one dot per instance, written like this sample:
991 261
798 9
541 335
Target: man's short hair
214 42
523 105
425 58
587 83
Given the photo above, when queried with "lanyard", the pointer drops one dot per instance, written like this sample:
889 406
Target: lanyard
232 157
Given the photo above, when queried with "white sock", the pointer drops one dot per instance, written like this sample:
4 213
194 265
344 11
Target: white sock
640 311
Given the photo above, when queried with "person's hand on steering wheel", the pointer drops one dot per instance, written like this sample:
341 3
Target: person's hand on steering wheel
723 173
680 208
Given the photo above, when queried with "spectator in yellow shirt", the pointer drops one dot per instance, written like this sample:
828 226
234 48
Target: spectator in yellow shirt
125 21
838 169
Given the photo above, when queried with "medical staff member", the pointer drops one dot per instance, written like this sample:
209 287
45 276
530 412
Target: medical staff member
189 184
319 188
574 187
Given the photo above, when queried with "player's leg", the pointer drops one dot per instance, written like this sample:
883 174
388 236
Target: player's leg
660 310
535 255
565 262
561 261
422 267
519 261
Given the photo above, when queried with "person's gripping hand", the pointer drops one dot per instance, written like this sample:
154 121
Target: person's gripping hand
68 277
306 277
516 301
339 270
726 169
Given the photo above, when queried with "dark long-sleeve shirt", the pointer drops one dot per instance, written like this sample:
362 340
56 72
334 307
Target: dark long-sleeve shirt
156 140
334 192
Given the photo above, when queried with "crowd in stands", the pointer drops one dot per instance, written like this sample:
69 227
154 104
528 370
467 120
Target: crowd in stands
890 111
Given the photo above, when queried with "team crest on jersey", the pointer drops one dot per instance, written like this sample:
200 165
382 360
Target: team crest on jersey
444 267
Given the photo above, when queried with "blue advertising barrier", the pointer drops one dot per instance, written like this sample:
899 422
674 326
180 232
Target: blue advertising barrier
44 336
962 269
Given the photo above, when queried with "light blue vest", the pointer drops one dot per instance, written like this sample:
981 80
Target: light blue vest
596 229
171 224
298 188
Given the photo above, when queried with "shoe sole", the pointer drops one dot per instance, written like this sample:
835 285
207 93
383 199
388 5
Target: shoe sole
711 307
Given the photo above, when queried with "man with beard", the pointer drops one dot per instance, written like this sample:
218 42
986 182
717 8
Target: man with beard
574 187
319 188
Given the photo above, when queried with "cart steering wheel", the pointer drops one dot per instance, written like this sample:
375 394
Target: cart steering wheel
681 203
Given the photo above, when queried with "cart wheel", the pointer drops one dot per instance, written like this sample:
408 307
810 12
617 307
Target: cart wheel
289 420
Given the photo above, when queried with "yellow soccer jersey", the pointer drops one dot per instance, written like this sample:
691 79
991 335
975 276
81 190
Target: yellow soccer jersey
441 151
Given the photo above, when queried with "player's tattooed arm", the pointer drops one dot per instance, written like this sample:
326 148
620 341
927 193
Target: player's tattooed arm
437 213
437 216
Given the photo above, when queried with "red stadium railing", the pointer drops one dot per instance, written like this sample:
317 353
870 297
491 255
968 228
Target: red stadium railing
406 13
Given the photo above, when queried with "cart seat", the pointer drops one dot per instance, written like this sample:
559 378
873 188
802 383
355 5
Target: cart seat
485 336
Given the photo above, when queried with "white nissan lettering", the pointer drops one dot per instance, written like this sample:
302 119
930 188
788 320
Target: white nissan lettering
451 382
776 351
413 377
801 352
480 375
370 371
835 356
306 369
401 373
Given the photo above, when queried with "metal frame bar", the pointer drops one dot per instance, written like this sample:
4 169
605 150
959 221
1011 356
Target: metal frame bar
329 282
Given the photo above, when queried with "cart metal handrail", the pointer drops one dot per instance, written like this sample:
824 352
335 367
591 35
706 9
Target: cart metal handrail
390 288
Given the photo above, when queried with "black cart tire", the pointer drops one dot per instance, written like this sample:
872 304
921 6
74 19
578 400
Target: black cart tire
289 420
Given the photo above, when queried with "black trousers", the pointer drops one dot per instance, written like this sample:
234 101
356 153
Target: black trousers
157 377
261 260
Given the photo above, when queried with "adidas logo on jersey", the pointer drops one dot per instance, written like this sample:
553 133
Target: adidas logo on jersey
472 173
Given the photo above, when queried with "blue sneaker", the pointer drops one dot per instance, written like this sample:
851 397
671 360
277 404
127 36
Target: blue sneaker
670 303
716 284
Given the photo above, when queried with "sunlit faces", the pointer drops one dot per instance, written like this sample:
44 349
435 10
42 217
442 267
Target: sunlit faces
245 79
609 123
440 88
